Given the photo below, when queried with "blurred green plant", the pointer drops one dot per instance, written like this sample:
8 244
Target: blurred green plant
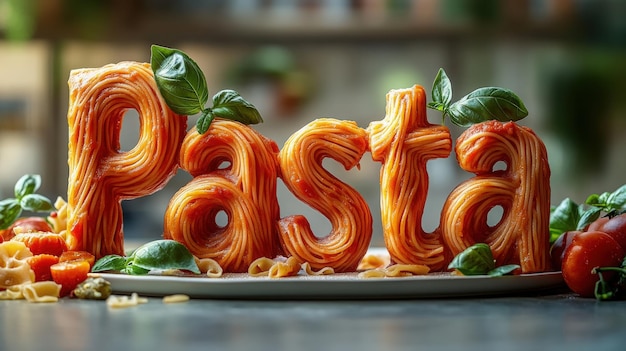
20 19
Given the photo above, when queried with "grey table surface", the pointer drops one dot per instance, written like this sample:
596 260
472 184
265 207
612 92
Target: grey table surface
557 321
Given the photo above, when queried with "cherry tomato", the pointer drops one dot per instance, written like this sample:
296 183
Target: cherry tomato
28 224
587 251
40 264
69 274
75 255
43 242
615 227
557 250
597 224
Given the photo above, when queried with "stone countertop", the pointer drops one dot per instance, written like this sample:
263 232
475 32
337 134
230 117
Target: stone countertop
558 321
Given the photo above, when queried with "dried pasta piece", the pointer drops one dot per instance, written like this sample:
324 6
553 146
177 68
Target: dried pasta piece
403 142
396 270
58 218
123 301
402 270
274 268
100 175
176 298
284 268
45 291
349 214
260 267
522 190
372 261
235 173
14 267
13 292
209 267
373 273
310 271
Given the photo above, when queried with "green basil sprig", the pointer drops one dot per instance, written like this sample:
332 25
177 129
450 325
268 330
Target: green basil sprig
569 216
25 199
183 86
158 255
478 260
609 202
482 104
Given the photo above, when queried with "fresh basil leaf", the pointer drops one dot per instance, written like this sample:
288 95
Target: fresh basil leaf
135 270
179 79
230 105
436 106
484 104
593 200
565 217
587 217
27 184
36 203
164 255
110 263
10 210
609 201
475 260
205 120
503 270
603 199
617 199
442 91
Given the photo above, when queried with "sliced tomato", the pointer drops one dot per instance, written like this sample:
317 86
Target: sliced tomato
77 255
69 274
43 242
40 264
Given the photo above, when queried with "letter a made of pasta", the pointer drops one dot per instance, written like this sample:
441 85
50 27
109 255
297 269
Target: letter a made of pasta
404 141
235 171
522 190
303 174
100 176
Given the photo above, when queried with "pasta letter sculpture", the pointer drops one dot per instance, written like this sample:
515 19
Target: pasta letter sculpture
522 190
404 141
100 176
235 172
303 174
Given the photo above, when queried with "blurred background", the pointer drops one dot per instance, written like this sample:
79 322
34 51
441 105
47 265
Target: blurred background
304 59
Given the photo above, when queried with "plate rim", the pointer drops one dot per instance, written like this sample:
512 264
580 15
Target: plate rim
336 286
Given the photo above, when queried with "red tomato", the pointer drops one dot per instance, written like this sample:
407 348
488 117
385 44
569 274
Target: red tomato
597 224
587 251
615 227
76 255
40 264
557 251
43 242
28 224
69 274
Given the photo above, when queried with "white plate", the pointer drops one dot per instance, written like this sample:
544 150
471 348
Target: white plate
337 286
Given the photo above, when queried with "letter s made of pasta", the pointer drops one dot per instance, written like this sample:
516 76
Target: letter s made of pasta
303 174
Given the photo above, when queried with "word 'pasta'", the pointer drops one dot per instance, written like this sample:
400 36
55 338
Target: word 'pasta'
235 172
